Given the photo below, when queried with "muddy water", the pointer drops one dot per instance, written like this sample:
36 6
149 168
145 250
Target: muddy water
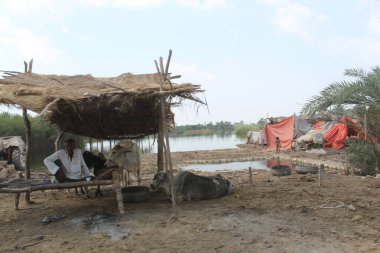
255 165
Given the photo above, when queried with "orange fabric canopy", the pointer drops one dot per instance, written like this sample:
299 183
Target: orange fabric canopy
284 130
336 136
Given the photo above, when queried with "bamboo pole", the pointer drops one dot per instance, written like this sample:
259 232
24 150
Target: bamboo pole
160 146
163 119
28 136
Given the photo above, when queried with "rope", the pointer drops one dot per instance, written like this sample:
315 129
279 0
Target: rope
339 204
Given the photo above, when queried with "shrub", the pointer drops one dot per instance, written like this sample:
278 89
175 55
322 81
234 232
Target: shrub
242 129
364 156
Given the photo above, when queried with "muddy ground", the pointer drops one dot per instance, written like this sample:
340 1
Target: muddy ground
267 214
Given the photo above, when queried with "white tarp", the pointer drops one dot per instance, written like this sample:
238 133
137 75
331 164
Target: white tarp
257 137
16 141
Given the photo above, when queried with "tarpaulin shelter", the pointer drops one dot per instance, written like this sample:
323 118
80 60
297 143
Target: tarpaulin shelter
336 136
333 133
284 130
302 126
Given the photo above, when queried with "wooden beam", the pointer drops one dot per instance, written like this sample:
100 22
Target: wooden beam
174 77
49 105
57 140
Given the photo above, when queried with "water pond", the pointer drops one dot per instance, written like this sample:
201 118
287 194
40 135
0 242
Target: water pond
233 166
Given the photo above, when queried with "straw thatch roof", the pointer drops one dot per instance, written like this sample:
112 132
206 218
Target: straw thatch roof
126 106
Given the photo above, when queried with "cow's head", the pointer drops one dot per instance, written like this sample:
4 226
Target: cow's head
230 187
161 182
115 155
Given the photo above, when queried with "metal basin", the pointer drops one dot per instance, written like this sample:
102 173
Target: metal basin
281 170
135 193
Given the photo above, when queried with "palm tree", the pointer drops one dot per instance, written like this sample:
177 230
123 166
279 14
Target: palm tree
364 90
361 95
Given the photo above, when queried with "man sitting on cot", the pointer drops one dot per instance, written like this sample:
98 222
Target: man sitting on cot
71 166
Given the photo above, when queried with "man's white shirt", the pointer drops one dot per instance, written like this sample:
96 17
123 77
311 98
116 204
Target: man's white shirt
74 168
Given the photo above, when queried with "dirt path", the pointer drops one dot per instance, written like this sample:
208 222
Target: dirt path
271 214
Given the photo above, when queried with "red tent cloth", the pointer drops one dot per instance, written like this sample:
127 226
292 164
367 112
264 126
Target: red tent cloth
284 130
319 126
336 136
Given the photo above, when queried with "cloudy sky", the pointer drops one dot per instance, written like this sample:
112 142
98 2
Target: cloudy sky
253 57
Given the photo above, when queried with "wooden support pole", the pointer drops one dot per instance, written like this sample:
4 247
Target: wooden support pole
28 136
163 118
117 188
160 146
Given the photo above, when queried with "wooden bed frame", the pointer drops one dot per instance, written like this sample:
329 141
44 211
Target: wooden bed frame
115 181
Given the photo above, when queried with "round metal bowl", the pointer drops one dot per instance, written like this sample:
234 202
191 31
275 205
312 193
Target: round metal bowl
135 193
281 170
306 169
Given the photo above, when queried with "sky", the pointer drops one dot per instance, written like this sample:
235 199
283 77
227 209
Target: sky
253 58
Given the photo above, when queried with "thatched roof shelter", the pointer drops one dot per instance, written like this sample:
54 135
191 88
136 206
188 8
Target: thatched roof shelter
126 106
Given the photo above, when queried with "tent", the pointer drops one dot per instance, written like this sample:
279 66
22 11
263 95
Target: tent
284 130
331 134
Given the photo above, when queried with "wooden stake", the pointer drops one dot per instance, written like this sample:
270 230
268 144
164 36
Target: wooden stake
321 171
346 170
250 175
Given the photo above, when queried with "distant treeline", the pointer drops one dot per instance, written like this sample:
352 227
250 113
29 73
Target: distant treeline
43 134
222 127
